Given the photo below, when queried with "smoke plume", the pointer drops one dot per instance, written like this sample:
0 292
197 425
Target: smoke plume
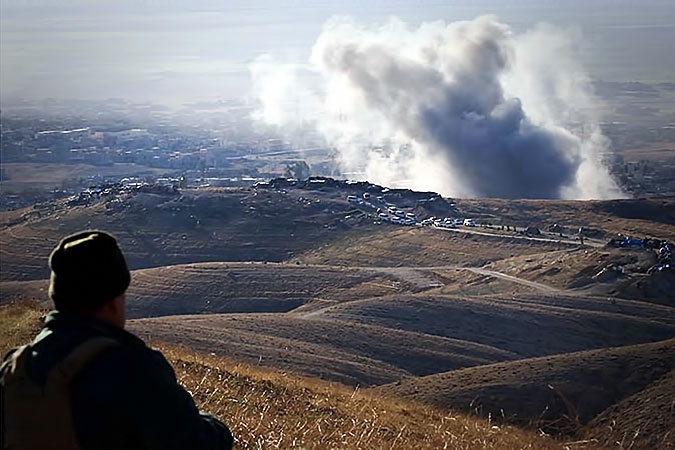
464 109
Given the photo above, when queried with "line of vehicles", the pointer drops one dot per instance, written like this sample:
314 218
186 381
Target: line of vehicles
448 222
391 214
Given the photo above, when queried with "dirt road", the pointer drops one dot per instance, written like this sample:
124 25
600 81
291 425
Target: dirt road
420 276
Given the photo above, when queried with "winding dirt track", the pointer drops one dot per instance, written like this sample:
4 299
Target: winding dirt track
532 284
417 276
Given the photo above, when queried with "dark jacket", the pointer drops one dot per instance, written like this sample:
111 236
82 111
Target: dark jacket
127 397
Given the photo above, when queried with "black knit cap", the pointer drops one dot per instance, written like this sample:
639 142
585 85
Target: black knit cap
88 270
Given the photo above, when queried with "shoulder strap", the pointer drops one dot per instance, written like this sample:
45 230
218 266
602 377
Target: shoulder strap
64 372
39 417
11 361
11 367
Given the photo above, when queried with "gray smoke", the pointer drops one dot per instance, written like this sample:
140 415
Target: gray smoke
465 109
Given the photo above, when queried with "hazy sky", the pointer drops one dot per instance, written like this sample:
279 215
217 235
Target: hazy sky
171 52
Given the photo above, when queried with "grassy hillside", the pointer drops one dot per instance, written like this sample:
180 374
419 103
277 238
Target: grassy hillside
562 391
529 327
159 229
383 339
398 246
276 410
231 288
329 349
643 420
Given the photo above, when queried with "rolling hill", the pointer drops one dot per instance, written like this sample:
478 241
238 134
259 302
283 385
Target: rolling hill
642 420
560 391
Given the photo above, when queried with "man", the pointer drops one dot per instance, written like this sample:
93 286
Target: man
85 383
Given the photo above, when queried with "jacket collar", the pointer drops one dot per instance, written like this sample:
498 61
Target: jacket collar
59 320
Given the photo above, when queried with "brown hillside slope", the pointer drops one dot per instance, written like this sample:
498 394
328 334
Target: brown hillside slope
203 288
530 326
643 420
393 246
307 298
575 387
35 291
228 287
329 349
162 229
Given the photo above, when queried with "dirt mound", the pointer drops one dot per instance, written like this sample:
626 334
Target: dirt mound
645 420
557 393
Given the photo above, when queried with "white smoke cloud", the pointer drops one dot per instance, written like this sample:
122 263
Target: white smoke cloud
466 109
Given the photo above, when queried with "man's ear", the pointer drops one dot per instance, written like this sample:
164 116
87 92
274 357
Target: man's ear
114 310
120 304
117 305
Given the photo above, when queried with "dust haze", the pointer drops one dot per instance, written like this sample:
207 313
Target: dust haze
468 108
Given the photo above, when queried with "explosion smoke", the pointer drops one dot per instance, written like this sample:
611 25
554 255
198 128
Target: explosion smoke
464 109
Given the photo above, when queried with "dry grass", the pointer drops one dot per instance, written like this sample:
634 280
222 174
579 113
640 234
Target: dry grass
643 420
268 409
273 410
559 393
19 322
248 287
395 246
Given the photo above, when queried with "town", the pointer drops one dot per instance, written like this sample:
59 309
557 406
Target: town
216 144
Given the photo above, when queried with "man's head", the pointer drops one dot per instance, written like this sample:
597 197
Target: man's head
89 275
